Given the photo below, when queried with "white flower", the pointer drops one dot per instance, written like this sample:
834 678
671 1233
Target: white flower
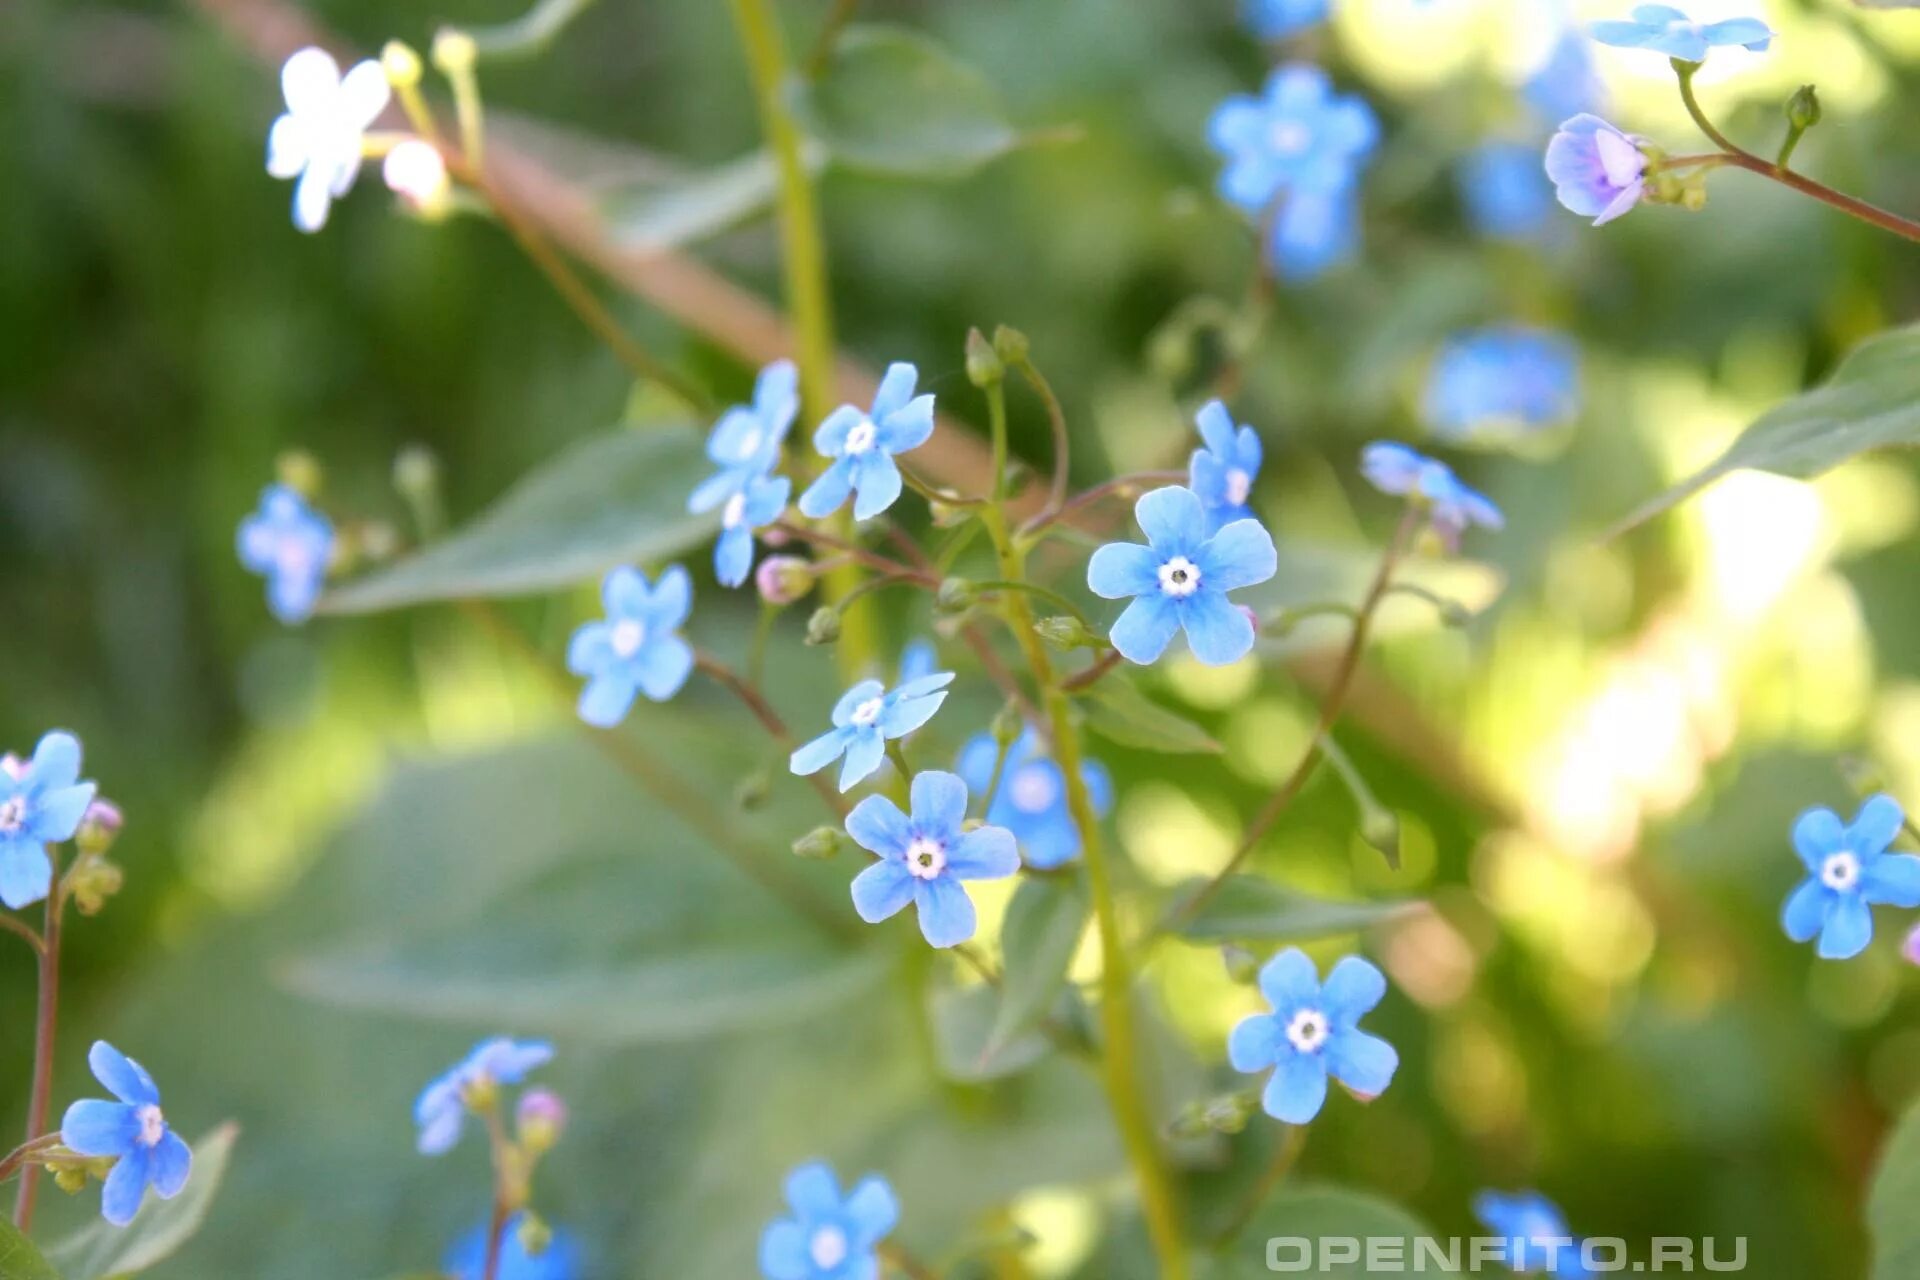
417 173
318 140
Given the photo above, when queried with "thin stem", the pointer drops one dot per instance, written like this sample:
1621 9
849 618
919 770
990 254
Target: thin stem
757 653
26 932
1081 681
1684 72
1285 1156
1048 594
837 19
21 1154
1057 422
872 559
1119 485
867 586
978 963
770 721
45 1028
905 1263
992 793
897 756
497 1222
935 493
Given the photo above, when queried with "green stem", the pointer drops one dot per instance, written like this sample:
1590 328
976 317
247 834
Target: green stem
1057 423
25 1152
992 792
1048 594
45 1029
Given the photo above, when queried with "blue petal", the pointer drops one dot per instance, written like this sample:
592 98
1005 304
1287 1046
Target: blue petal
946 912
1658 14
1173 519
865 750
1364 1063
26 873
1122 569
1391 468
896 388
440 1127
830 438
56 761
1688 46
1145 628
1298 1088
1816 834
172 1165
821 752
776 394
1238 124
1049 840
977 758
1805 913
1849 928
865 691
1240 555
908 428
623 593
126 1186
124 1078
905 716
662 667
872 1210
1218 631
1750 32
94 1127
1353 988
1289 981
939 804
507 1060
1254 1043
1876 825
1216 428
733 556
921 685
877 825
813 1191
783 1252
917 660
1207 477
876 482
591 648
714 490
828 493
882 891
985 853
607 698
737 439
766 500
1891 880
670 601
1621 35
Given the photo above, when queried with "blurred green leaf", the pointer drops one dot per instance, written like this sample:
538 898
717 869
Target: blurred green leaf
19 1259
673 212
613 499
1042 930
1891 1219
1315 1215
963 1019
892 100
1254 907
1117 710
103 1250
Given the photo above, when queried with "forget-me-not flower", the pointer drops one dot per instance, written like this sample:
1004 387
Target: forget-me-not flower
1848 870
1180 579
1222 473
917 659
1665 29
467 1259
829 1237
1277 19
1504 191
1535 1223
1598 172
42 802
290 544
1313 1033
319 138
441 1109
865 717
1032 798
1313 231
925 856
1451 506
1502 377
1567 83
133 1132
745 446
862 446
1298 136
637 649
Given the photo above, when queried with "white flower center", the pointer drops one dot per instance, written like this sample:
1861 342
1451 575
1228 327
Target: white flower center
861 438
867 712
1033 789
1179 577
1840 871
735 511
1290 137
1682 27
926 858
828 1248
1308 1030
750 444
13 815
153 1125
1239 485
628 635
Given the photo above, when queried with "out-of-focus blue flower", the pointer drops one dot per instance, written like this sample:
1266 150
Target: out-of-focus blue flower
467 1259
1544 1245
925 857
1299 136
1222 473
1180 580
745 446
1567 83
1502 378
1313 1033
917 660
133 1132
290 544
441 1109
865 717
1848 870
1313 232
862 446
1451 506
1032 798
1505 193
42 802
1277 19
828 1237
754 507
637 649
1598 172
1665 29
319 138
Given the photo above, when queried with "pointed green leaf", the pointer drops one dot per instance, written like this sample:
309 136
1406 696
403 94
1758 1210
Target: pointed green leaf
1307 1219
102 1250
1117 710
1042 931
19 1258
1891 1221
1255 907
962 1019
684 209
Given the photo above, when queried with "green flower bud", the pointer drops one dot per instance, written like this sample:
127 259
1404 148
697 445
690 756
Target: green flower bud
753 791
92 881
820 844
984 366
1242 965
1011 344
1381 830
1803 108
956 595
824 626
535 1235
1008 724
1065 632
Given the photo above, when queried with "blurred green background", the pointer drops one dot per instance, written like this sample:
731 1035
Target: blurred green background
355 846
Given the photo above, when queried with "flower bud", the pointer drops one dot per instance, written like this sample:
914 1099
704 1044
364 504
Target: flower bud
819 844
1242 965
824 626
782 580
753 791
299 471
401 64
945 515
1008 724
1803 108
454 51
956 595
92 881
99 827
1011 345
416 172
534 1234
1911 947
70 1177
1065 632
984 366
1380 828
540 1118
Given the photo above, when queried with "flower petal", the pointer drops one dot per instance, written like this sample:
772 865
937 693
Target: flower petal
56 761
975 765
882 890
828 493
1891 880
1121 569
1875 826
312 198
908 714
1145 628
1218 631
172 1165
591 648
94 1127
607 698
126 1186
1298 1088
58 813
670 601
1749 32
1806 911
1240 555
623 593
876 484
896 389
783 1251
126 1079
287 147
1353 988
1254 1043
873 1210
364 93
1362 1062
662 667
939 804
830 437
733 556
1817 833
1288 981
908 427
813 1191
26 873
985 853
1173 519
865 691
877 825
440 1128
1391 468
946 912
310 80
1849 928
865 750
814 756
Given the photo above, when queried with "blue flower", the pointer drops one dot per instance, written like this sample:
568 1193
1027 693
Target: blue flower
1314 231
754 507
133 1132
1277 19
917 660
923 858
1535 1222
637 649
745 446
1667 30
1312 1033
41 802
1300 136
1848 869
1598 172
864 718
1181 579
1221 475
1502 377
1451 506
1032 799
828 1237
467 1259
1505 193
441 1109
290 544
1567 83
862 446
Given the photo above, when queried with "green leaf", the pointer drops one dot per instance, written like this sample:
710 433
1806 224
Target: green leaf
962 1020
893 101
1253 907
1042 930
1891 1221
684 209
1871 402
613 499
1117 710
103 1250
1322 1219
19 1259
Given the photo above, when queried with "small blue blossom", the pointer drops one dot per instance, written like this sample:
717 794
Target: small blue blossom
862 446
1451 506
1665 29
918 660
829 1237
1221 475
1848 870
290 544
467 1259
1299 136
441 1109
42 802
1032 798
1505 193
1542 1242
1313 232
1507 377
1278 19
133 1132
865 717
925 857
745 446
1567 83
637 649
753 508
1598 172
1313 1033
1180 580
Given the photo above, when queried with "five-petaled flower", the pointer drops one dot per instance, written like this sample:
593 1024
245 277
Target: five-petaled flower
133 1132
1535 1224
1222 473
925 856
865 717
1848 870
1506 377
1598 172
1450 505
319 138
290 544
1181 578
440 1112
862 446
637 649
829 1237
1665 29
1031 801
745 446
467 1259
41 802
1312 1033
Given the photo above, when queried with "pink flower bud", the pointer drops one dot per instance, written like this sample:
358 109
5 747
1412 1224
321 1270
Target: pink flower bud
13 766
1911 947
783 579
541 1117
1252 617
